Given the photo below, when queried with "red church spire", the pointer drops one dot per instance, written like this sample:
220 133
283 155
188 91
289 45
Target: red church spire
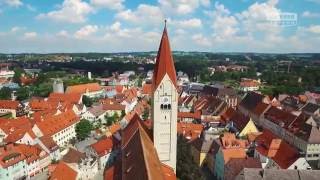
164 62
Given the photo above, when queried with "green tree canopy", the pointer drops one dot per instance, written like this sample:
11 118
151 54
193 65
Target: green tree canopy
187 169
23 93
83 129
87 101
5 93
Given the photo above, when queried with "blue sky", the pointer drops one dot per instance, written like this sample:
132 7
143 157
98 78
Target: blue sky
44 26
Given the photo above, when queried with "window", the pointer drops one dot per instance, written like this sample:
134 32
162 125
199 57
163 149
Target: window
161 106
165 106
169 106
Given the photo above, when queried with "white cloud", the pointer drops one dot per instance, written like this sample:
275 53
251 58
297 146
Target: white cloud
201 40
224 25
72 11
309 14
30 35
63 33
110 4
143 15
181 7
258 16
15 29
189 23
13 3
86 31
313 29
115 26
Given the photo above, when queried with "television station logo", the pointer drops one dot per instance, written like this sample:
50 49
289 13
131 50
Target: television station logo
284 19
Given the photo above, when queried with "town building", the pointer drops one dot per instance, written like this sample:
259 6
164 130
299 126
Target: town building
92 90
165 104
60 127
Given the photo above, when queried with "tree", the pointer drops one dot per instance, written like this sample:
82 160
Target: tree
187 169
17 74
5 93
87 101
123 113
145 114
109 120
23 93
83 129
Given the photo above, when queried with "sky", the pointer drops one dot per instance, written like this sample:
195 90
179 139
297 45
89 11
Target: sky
62 26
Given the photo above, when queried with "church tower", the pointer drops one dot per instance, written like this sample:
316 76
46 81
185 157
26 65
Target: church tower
165 104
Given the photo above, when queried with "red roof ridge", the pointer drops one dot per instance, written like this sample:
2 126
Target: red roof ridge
164 63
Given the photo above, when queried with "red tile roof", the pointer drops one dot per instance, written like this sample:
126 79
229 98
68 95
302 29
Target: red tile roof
41 105
114 106
10 155
260 108
278 150
63 172
114 172
249 83
119 88
54 124
62 97
279 117
14 153
83 88
164 63
194 115
189 130
8 104
16 128
48 142
147 89
236 165
168 172
139 157
104 145
226 116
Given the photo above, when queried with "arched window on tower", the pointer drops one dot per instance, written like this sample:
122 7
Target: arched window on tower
161 106
169 106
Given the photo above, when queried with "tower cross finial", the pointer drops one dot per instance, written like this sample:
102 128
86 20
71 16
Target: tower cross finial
165 23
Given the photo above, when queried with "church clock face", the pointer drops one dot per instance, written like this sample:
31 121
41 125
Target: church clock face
165 100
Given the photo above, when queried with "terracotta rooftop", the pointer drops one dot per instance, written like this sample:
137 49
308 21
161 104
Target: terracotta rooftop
147 89
236 165
189 130
260 108
164 63
8 104
11 154
62 97
83 88
251 100
279 117
194 115
48 142
54 124
239 120
73 156
63 172
139 157
104 145
228 114
278 150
